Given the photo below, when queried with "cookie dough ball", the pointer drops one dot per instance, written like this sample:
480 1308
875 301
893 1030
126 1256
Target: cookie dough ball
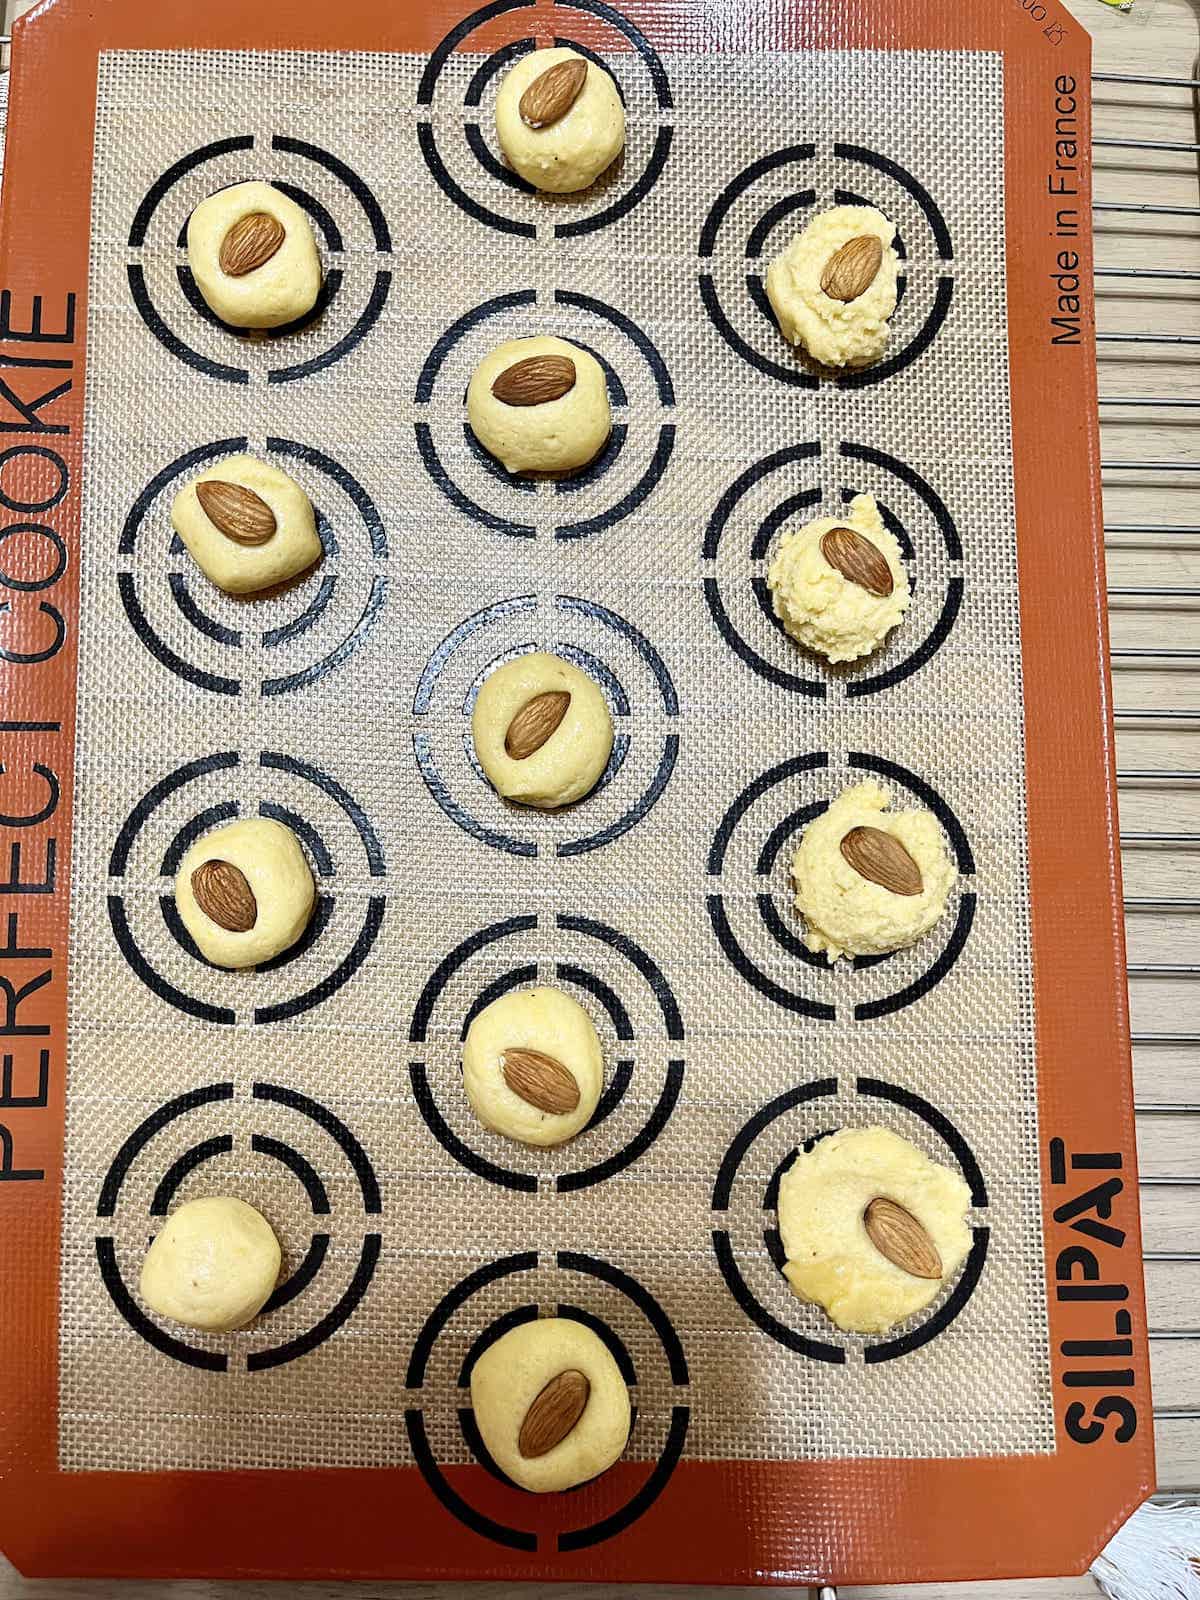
245 892
869 880
542 729
838 584
540 405
559 120
532 1066
834 287
246 524
253 256
833 1230
212 1265
547 1438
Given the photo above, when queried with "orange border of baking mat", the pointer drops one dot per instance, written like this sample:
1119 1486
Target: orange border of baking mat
837 1521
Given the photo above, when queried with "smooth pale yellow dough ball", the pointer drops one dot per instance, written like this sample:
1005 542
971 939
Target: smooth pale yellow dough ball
836 333
559 435
229 561
573 758
283 288
831 1260
823 609
846 913
551 1023
571 153
270 859
511 1374
212 1265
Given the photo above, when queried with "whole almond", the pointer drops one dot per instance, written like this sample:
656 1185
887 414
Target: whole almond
851 270
249 242
235 511
858 560
881 857
553 1414
535 722
553 92
898 1235
535 380
540 1080
224 896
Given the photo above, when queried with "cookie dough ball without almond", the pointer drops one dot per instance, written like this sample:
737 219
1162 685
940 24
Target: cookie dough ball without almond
542 730
245 892
871 1227
247 525
868 880
550 1404
540 405
212 1265
559 120
839 585
834 287
533 1067
253 256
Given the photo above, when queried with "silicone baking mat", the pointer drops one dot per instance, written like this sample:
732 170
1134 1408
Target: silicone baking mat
325 1087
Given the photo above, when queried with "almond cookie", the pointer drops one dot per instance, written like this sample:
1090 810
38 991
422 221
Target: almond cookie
245 892
871 1227
540 405
838 584
542 730
550 1404
559 120
869 880
246 524
253 256
834 287
533 1067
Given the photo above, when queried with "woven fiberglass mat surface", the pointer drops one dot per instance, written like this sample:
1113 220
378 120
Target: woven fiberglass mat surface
325 1089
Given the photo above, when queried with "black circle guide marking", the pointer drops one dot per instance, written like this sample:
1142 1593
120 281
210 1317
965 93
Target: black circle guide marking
491 1505
767 924
237 158
475 177
731 278
306 1281
194 631
800 1116
321 808
633 782
467 979
786 488
577 506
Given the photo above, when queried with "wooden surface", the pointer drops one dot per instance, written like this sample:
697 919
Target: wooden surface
1160 37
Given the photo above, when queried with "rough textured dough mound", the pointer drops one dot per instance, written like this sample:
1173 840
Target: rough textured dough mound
847 914
836 333
822 609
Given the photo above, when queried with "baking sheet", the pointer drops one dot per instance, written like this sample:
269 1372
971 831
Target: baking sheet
326 1089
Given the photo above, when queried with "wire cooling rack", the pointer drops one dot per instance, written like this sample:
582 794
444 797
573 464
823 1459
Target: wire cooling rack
1153 685
1155 629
